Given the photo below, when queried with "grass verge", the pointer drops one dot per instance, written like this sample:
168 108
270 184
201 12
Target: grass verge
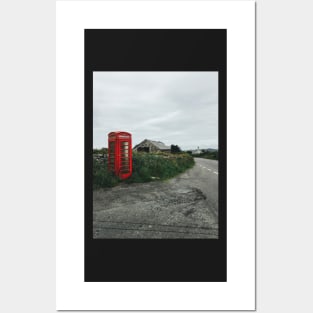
146 167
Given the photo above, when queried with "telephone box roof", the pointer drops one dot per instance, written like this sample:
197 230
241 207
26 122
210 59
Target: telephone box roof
116 133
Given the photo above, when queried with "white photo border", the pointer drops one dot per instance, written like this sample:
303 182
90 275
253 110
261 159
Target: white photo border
238 17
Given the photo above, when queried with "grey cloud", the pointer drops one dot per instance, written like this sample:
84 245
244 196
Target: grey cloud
174 107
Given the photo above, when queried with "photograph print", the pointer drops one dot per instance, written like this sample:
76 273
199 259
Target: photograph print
155 155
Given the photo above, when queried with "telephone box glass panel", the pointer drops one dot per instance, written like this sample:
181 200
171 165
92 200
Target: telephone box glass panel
120 154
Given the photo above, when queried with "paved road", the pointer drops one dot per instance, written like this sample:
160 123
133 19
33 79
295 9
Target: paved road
183 207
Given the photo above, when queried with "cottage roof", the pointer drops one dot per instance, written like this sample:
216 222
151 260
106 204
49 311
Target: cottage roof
160 145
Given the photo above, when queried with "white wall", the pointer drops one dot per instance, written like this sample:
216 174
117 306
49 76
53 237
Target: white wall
27 122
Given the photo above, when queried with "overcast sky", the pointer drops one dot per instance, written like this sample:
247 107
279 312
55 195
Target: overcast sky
178 108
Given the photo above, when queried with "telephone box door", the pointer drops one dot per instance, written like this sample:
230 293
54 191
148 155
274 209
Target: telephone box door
120 154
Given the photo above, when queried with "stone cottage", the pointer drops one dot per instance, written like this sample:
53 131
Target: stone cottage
151 146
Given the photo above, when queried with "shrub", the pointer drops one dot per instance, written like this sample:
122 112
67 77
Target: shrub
175 149
146 167
213 155
101 176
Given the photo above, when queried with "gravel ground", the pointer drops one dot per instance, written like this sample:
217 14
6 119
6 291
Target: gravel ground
183 207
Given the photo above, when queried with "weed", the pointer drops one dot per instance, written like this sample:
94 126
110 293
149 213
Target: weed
146 167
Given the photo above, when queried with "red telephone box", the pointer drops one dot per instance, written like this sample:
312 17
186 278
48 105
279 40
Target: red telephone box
120 154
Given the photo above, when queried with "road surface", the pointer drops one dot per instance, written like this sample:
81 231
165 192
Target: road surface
182 207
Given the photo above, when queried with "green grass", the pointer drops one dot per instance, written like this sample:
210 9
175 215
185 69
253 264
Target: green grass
102 177
146 167
213 155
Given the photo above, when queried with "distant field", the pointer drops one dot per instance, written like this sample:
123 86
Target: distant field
146 167
213 155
